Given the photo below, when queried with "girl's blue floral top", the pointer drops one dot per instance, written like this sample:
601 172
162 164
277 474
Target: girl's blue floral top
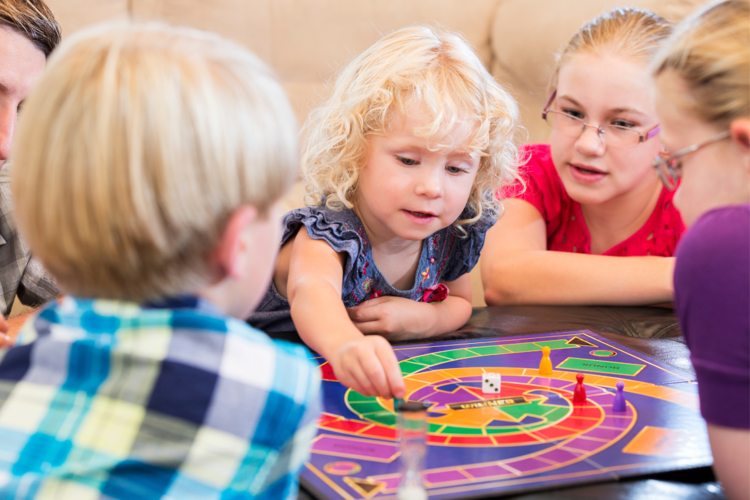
446 255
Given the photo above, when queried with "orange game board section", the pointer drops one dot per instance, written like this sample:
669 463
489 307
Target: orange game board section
657 441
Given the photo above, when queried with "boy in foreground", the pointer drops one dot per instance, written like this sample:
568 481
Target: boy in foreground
147 172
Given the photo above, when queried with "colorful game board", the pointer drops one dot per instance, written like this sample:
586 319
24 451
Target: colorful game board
530 436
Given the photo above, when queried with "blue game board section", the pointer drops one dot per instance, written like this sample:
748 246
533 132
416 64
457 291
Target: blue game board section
529 436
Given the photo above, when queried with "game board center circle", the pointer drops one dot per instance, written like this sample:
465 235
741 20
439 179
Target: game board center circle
460 408
602 353
342 468
524 412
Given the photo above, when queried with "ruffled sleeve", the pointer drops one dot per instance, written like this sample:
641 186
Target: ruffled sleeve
340 229
461 252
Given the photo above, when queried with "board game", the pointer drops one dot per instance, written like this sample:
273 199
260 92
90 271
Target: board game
529 436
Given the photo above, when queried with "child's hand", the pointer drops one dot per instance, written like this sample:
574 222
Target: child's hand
5 339
369 366
395 318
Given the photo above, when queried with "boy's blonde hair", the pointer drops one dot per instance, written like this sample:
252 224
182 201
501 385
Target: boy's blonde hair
135 148
710 52
423 66
632 32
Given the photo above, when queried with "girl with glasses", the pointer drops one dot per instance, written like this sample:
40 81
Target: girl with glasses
592 224
703 100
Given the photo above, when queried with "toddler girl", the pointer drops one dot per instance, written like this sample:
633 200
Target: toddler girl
400 166
594 225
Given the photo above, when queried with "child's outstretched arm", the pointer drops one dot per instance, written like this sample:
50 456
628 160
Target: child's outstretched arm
517 268
399 318
367 364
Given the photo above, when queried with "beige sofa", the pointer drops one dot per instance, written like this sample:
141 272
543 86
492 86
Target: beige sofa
307 41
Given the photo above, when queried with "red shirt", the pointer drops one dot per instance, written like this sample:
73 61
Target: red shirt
566 228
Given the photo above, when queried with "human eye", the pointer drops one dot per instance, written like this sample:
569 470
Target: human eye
573 113
409 162
455 170
623 124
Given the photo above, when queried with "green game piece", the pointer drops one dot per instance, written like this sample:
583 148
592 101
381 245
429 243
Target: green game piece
396 402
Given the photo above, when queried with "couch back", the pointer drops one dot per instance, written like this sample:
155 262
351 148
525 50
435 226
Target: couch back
308 41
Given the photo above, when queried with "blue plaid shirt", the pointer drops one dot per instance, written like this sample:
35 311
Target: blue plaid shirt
105 399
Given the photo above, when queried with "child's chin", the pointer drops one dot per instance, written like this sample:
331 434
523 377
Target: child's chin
587 194
418 234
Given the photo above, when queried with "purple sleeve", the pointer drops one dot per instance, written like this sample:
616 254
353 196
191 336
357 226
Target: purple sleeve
712 298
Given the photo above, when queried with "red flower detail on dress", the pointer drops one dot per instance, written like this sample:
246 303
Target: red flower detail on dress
376 294
435 293
361 233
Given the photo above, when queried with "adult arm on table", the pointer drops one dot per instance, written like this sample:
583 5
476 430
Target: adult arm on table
367 364
517 268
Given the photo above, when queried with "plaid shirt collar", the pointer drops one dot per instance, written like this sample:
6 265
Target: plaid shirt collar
191 302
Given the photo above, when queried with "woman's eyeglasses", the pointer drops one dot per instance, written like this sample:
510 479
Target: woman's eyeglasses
611 135
669 166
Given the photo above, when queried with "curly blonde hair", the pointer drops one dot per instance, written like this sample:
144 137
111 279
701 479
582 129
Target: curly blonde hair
419 65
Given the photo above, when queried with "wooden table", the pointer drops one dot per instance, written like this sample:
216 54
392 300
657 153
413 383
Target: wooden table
649 330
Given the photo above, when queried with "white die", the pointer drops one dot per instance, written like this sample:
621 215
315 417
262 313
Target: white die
491 383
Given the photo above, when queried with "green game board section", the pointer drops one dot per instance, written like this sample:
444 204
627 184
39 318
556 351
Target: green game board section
601 366
371 410
417 363
536 408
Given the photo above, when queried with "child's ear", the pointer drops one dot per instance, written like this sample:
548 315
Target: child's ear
740 132
228 256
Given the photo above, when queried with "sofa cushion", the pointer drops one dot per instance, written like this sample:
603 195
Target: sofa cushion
76 14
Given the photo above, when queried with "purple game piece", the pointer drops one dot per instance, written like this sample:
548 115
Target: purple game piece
619 404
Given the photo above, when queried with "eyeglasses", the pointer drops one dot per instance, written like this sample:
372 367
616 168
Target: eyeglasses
669 167
611 135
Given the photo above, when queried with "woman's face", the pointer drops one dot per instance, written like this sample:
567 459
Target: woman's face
714 176
605 90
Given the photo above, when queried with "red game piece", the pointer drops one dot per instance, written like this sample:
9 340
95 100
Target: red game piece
579 393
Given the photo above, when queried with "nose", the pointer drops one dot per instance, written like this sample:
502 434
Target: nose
430 182
590 143
7 126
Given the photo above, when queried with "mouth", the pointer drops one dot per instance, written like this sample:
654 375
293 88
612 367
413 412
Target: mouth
420 217
425 215
587 170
